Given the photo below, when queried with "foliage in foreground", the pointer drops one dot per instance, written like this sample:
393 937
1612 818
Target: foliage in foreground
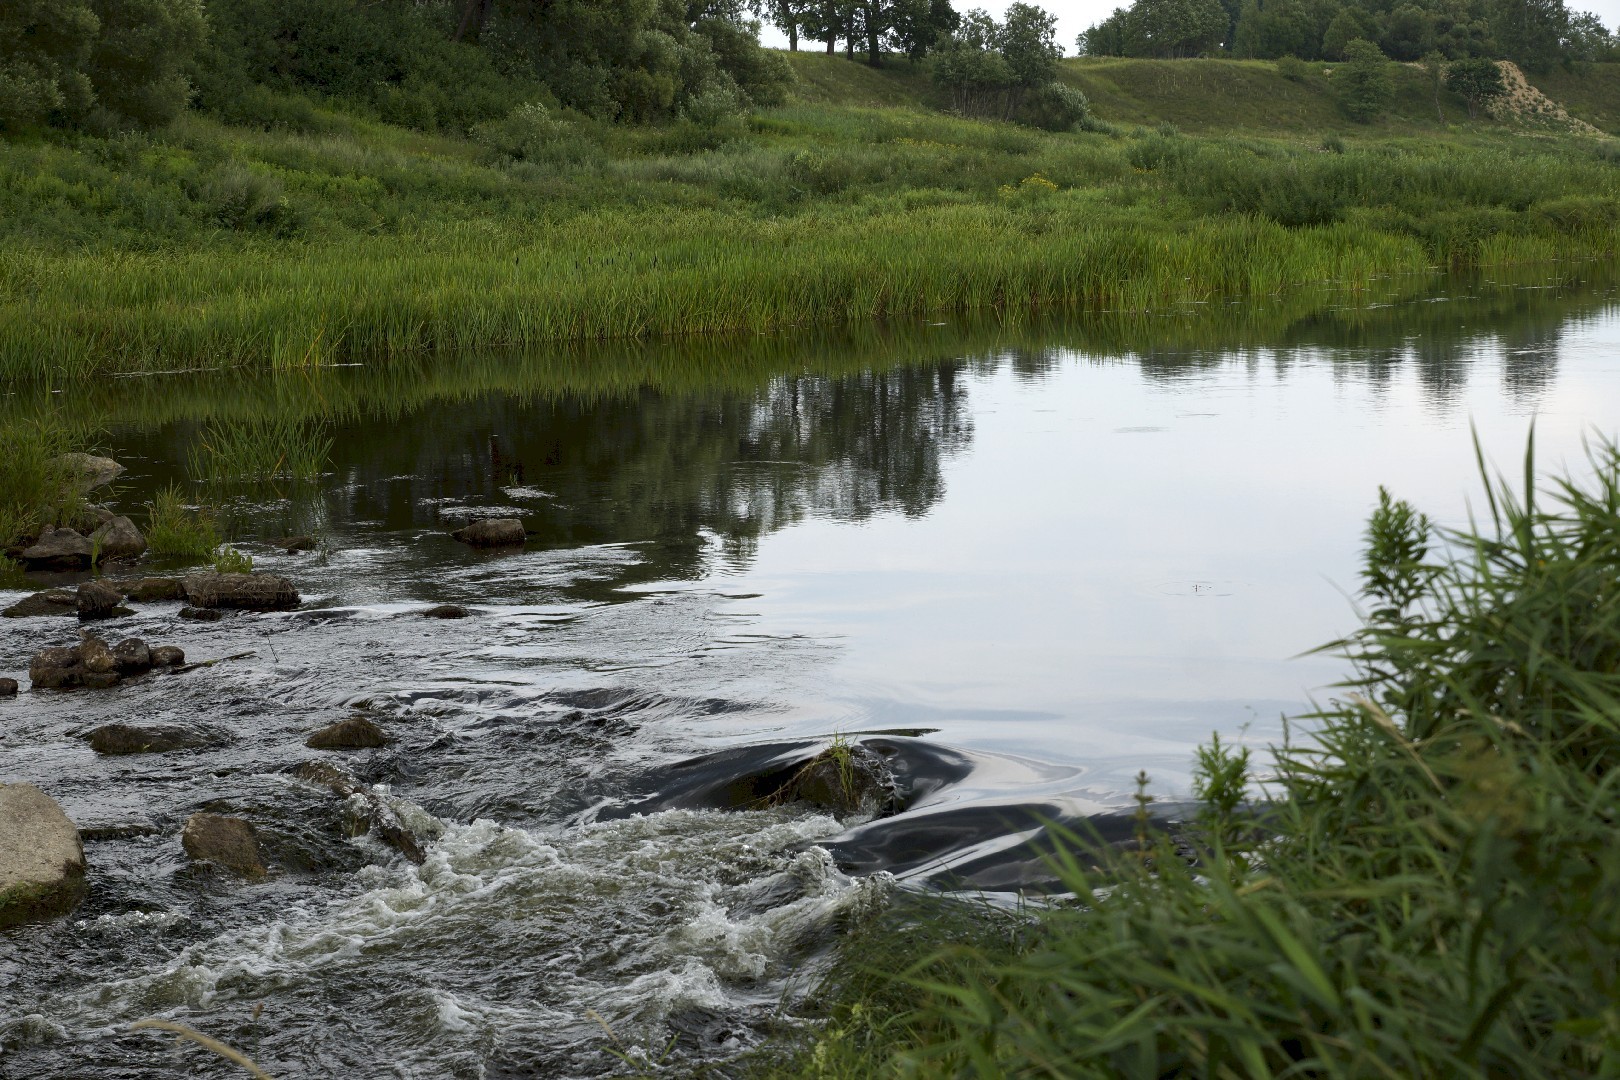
1442 893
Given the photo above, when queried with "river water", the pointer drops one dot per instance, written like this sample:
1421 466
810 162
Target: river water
1020 563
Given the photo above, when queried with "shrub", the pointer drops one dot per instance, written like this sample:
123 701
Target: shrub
237 197
1364 83
228 560
1293 68
1056 107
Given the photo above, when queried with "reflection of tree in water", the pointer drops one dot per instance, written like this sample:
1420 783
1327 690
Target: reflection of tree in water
666 468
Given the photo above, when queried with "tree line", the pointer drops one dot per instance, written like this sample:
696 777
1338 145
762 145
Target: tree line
1535 34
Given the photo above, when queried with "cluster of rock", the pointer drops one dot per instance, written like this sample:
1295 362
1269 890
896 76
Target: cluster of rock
94 664
95 536
104 598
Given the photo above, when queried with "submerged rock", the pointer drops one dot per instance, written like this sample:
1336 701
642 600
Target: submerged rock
292 545
446 611
49 602
100 600
492 532
248 592
61 549
373 813
89 470
844 778
227 841
200 614
8 687
168 656
116 739
55 668
119 539
152 589
355 733
41 857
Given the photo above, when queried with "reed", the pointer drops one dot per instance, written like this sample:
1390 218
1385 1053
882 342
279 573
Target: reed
177 530
1429 891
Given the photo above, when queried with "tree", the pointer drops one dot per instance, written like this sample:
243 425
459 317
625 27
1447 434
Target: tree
1434 66
1341 31
1531 33
45 46
1477 81
990 67
917 25
1364 82
1028 41
1167 29
140 57
1106 38
1409 33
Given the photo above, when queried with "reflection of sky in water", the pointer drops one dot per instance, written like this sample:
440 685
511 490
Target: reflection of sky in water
1121 563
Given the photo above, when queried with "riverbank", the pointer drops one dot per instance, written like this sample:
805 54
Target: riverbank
334 238
1422 894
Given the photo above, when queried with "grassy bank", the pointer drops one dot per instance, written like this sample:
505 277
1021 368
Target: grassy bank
329 237
1432 891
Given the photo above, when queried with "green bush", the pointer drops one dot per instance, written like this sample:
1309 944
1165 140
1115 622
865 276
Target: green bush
1055 107
1365 85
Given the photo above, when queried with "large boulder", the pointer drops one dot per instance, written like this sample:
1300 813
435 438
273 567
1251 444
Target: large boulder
846 778
49 602
100 600
248 592
89 470
168 656
228 841
116 739
60 549
118 539
492 532
41 856
132 656
355 733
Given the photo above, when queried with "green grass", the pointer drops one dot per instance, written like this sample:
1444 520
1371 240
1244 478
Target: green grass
35 490
1432 890
176 530
210 246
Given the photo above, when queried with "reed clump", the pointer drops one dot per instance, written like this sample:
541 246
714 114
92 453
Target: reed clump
177 530
1431 889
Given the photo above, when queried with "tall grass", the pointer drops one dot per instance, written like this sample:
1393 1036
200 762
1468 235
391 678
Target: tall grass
272 447
367 243
177 530
35 489
1433 890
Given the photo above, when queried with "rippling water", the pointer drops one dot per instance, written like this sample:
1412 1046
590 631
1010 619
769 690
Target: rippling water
1019 565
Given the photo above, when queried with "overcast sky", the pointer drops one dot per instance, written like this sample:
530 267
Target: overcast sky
1075 16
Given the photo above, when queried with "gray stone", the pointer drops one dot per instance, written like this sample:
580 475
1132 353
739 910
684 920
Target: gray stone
55 669
492 532
131 656
119 539
199 614
228 841
94 653
168 656
58 548
49 602
446 611
98 600
8 687
355 733
90 471
150 739
248 592
41 857
152 589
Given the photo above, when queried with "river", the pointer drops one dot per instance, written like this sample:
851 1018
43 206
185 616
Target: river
1020 561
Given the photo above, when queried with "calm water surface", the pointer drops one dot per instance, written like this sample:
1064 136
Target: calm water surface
1020 564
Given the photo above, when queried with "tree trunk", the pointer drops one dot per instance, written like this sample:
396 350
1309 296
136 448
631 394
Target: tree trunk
793 38
873 56
474 16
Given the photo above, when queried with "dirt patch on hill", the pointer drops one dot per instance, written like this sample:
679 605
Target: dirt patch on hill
1524 104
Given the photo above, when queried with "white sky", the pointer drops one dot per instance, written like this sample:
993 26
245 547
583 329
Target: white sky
1074 16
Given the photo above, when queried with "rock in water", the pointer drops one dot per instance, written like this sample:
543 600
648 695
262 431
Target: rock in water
201 614
99 600
492 532
846 779
49 602
248 592
41 857
8 687
446 611
132 657
228 841
56 669
294 544
149 589
90 471
168 656
117 739
94 654
355 733
119 539
58 548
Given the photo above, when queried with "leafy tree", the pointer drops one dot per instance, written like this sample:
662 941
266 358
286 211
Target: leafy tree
1028 41
45 46
1364 81
990 67
1409 33
1106 38
1434 66
1341 31
141 55
1477 81
1174 28
1531 33
917 25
